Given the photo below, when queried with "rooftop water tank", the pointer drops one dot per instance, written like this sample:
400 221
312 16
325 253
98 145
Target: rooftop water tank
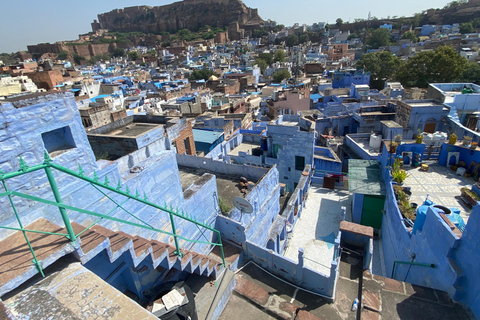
421 216
375 141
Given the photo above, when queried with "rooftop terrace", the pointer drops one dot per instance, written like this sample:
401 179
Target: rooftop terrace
227 185
318 227
442 186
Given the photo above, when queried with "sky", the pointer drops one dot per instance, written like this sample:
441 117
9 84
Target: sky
54 20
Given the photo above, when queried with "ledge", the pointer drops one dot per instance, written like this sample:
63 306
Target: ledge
357 229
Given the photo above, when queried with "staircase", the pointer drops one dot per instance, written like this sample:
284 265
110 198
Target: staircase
16 259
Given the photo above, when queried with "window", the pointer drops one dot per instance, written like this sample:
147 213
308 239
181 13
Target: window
299 163
58 140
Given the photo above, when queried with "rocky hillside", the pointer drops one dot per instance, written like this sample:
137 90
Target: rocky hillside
186 14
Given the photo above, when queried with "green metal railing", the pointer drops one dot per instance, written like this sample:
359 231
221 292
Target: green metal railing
48 165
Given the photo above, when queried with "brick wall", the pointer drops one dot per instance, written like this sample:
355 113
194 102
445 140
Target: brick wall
186 138
46 79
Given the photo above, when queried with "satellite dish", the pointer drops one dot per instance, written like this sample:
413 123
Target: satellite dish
243 205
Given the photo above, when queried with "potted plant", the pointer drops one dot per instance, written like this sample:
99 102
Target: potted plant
453 138
467 141
399 176
469 196
419 137
393 147
407 210
474 145
398 138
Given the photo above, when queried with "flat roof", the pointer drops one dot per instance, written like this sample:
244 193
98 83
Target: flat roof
206 136
132 129
244 147
390 124
365 177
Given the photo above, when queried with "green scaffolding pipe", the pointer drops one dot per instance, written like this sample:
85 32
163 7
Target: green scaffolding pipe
120 206
47 165
26 196
17 173
108 214
34 231
431 265
58 199
35 260
171 212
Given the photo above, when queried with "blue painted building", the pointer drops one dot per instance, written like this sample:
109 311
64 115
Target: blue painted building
207 140
343 78
447 259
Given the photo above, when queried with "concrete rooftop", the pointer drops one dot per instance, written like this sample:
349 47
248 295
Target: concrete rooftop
132 129
227 185
442 186
244 147
316 229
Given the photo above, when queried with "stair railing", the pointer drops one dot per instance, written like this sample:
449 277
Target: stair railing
48 165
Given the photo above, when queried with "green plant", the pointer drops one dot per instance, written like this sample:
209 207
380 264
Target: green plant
419 136
407 210
399 176
401 196
224 206
472 194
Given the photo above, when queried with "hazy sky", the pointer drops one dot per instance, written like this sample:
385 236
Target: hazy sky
32 22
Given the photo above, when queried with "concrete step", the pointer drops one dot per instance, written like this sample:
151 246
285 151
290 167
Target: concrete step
16 258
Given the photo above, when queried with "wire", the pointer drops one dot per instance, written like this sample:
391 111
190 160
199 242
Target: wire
291 284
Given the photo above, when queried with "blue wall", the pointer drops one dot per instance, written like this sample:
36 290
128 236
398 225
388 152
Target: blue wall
456 259
466 154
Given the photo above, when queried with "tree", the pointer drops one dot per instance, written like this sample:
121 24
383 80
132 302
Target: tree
378 38
279 56
100 57
339 22
304 38
281 75
292 40
352 36
258 33
267 57
410 35
442 65
381 65
119 52
62 55
204 74
261 64
466 27
208 35
133 55
471 73
78 58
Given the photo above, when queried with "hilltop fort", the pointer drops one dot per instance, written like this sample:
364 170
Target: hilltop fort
187 14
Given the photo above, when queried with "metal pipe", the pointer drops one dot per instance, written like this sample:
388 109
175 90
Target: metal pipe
35 260
58 199
431 265
174 231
